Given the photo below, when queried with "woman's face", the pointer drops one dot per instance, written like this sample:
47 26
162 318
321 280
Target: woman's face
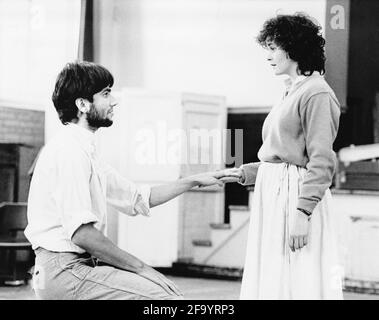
279 60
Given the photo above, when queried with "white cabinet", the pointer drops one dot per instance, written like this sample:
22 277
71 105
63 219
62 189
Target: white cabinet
358 231
155 139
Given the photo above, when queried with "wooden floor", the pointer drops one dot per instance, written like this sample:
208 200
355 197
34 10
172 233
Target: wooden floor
193 289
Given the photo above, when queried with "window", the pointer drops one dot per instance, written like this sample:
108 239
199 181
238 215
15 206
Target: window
37 37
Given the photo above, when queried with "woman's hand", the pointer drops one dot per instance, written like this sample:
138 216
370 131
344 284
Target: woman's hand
233 171
299 232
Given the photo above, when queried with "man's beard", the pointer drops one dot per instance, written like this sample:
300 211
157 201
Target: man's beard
95 120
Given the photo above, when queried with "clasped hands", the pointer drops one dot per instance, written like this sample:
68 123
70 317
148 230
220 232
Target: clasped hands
218 177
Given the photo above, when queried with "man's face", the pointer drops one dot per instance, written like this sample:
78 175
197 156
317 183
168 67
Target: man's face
101 110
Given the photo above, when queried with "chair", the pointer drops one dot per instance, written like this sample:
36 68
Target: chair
13 243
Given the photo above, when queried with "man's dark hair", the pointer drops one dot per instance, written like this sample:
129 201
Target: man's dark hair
300 37
78 80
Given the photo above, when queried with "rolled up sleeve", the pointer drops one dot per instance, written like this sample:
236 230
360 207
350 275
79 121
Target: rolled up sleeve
125 196
72 191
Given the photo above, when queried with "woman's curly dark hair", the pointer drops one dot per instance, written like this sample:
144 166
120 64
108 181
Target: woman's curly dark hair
80 79
300 37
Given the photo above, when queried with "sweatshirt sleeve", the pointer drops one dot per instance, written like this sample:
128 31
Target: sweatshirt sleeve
249 171
319 120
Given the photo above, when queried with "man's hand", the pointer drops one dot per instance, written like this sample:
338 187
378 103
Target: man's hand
158 278
217 177
163 193
299 232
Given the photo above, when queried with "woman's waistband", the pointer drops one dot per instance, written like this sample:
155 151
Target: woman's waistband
283 163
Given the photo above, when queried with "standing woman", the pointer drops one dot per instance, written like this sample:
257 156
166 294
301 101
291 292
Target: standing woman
292 250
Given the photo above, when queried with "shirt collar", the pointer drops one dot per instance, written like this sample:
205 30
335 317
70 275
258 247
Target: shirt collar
291 85
85 137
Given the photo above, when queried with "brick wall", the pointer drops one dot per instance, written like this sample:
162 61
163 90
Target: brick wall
22 126
26 127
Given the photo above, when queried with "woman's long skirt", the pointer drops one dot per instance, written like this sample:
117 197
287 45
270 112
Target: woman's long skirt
272 270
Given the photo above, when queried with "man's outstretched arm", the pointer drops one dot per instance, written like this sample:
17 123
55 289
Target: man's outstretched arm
163 193
95 243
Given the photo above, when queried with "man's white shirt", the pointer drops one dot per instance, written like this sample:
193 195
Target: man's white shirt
71 187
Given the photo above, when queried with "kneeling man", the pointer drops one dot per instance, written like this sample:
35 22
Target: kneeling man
69 193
